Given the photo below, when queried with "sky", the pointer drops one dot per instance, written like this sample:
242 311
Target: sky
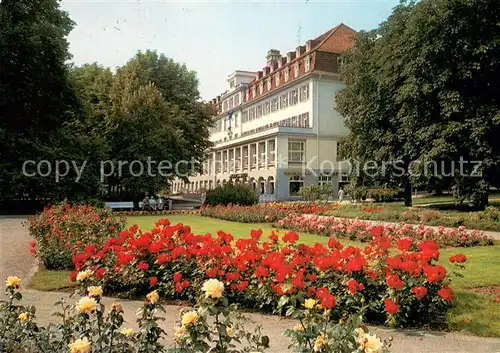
213 38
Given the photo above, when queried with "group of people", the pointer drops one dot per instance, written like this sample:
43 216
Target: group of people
153 203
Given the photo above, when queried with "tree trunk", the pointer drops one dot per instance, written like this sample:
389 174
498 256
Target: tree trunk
407 191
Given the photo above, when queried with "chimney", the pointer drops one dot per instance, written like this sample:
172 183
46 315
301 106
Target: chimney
300 50
290 56
259 75
272 56
309 45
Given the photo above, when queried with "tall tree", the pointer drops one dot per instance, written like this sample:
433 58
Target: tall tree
35 95
156 115
421 87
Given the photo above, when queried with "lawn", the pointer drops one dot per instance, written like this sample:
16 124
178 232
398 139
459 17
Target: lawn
475 313
431 210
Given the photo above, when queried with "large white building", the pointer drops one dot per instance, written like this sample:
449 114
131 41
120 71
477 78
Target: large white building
277 128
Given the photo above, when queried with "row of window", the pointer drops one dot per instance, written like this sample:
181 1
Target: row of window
301 121
285 100
231 102
286 76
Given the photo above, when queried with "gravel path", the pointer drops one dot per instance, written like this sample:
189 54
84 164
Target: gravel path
15 259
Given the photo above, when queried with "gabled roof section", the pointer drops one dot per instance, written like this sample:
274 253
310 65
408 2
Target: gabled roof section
336 40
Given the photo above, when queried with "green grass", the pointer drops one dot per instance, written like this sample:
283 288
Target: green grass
475 313
203 225
47 280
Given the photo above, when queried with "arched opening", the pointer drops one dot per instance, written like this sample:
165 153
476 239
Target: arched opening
270 188
296 182
262 185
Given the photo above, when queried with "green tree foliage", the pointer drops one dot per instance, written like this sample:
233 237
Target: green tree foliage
35 95
422 86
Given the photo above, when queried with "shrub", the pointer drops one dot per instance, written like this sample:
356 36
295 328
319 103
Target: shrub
237 194
88 327
60 229
354 229
316 192
357 193
264 212
258 273
384 194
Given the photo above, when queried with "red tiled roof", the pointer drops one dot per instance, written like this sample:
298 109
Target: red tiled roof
337 39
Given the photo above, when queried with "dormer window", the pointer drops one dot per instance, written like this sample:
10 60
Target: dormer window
307 63
261 87
286 74
277 79
296 70
268 84
254 92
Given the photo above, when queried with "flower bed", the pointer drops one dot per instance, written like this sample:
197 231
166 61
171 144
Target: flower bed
408 288
264 212
156 213
60 228
213 325
354 229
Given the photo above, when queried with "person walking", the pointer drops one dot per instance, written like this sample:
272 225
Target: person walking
341 195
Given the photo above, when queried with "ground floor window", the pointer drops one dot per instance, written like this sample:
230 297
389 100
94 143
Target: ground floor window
325 180
296 182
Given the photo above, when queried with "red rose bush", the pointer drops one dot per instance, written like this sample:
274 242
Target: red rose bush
59 229
355 229
405 287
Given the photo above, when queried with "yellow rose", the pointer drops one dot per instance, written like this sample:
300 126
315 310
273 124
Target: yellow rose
129 332
298 327
180 332
228 331
213 288
116 306
310 303
320 343
95 291
360 332
83 275
23 317
153 296
86 305
189 318
13 281
80 346
372 344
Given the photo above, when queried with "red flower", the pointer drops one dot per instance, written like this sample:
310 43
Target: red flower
185 284
393 281
446 293
327 300
434 273
32 243
458 258
33 250
290 237
211 273
152 281
177 277
404 244
377 231
99 273
353 286
142 266
391 307
72 276
419 292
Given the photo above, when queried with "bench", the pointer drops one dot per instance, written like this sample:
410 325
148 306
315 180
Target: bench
120 205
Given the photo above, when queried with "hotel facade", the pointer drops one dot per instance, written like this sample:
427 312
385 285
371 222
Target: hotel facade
277 129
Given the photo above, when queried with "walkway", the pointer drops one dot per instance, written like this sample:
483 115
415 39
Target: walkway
15 259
